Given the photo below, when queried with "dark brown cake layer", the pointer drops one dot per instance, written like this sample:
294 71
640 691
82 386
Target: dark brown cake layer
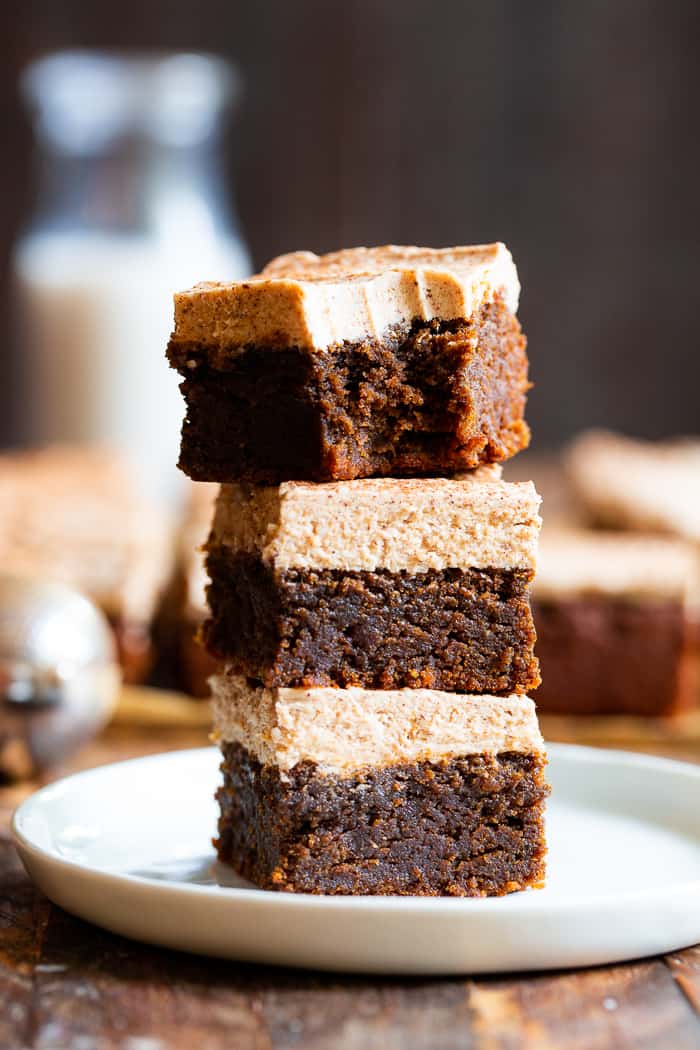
468 631
439 398
465 827
612 656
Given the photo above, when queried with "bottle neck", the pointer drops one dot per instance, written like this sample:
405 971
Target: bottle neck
136 186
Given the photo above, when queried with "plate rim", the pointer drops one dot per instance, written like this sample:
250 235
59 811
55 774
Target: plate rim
512 902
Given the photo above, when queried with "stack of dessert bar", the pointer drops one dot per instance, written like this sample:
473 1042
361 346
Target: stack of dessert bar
370 570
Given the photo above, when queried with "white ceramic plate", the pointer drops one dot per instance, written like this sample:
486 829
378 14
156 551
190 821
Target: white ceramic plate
128 847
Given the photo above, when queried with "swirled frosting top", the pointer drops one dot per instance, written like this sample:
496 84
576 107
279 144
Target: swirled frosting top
313 301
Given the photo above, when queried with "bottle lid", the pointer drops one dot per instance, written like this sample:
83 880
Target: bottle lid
84 100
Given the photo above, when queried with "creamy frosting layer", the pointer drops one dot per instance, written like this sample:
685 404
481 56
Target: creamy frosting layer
613 564
639 484
476 521
345 729
317 302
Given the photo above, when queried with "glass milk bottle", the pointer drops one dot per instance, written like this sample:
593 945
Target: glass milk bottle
130 207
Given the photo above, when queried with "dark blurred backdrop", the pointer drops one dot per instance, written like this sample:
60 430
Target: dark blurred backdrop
567 129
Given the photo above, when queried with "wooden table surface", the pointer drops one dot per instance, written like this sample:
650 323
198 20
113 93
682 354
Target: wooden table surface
66 985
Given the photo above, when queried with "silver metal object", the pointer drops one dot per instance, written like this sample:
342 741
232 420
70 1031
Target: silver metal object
59 676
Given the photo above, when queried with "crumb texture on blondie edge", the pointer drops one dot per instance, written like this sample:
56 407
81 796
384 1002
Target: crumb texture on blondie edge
430 398
467 826
451 629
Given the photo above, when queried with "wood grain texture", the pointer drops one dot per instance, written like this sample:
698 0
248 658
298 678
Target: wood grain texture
20 927
685 967
630 1007
67 985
